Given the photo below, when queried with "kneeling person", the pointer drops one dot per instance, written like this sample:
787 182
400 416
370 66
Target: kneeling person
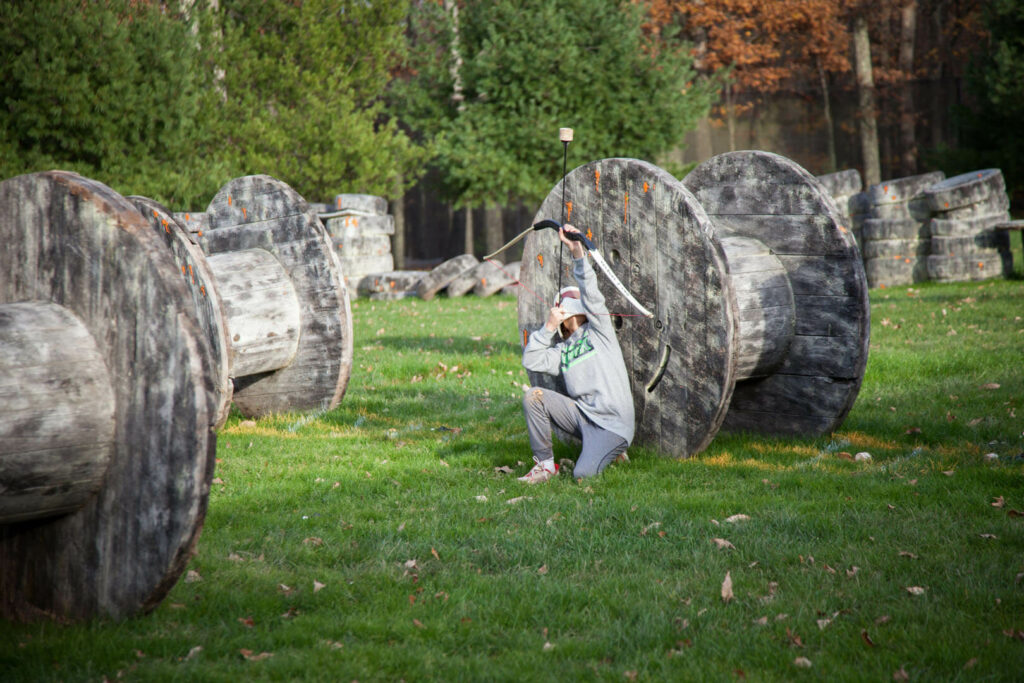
599 406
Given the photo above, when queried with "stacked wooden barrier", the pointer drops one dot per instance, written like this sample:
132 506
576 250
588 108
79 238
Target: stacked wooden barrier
361 229
845 188
760 298
965 244
896 242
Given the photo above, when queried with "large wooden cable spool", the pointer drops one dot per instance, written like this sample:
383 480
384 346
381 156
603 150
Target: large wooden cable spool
769 198
270 293
106 439
760 300
661 245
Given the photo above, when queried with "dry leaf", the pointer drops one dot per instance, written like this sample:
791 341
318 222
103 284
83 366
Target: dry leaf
543 569
866 638
314 541
630 675
822 623
737 518
991 386
975 422
1014 513
900 674
803 662
317 586
434 553
948 473
915 590
652 525
192 576
794 639
998 502
727 593
193 652
884 619
482 499
852 571
992 536
762 621
417 623
723 544
246 622
235 558
970 663
411 564
248 654
905 553
518 499
504 469
547 646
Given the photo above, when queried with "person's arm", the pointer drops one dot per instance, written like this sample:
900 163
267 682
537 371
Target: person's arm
590 294
541 354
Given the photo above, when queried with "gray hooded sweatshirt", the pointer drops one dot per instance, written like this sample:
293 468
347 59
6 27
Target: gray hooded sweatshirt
590 360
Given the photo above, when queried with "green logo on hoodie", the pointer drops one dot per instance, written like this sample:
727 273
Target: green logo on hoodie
577 351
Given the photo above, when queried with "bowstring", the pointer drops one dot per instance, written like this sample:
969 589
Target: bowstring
561 246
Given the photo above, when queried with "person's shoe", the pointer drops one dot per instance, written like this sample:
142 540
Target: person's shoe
538 475
623 457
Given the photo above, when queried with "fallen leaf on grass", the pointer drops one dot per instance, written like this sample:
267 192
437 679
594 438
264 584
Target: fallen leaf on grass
975 422
723 544
314 541
548 646
793 638
998 502
504 469
630 675
417 623
1015 634
482 499
992 536
543 569
913 430
900 674
434 553
1015 513
248 654
411 564
762 621
193 652
884 619
518 499
948 473
246 622
991 386
802 662
866 638
192 576
915 590
652 525
852 571
905 553
737 518
727 593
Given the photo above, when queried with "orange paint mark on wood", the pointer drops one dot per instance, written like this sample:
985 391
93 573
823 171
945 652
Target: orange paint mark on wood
597 181
166 226
625 209
244 213
202 290
526 336
229 200
590 234
483 281
645 187
568 214
540 260
183 271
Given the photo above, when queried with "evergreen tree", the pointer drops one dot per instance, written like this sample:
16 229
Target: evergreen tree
108 88
302 85
492 90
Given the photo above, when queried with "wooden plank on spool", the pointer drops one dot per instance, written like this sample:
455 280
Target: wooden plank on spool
896 248
660 244
443 275
364 203
260 212
978 266
965 227
813 234
835 275
894 228
998 203
965 189
362 247
902 190
344 227
464 283
390 281
123 550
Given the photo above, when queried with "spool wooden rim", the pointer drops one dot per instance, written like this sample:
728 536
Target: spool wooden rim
199 281
79 244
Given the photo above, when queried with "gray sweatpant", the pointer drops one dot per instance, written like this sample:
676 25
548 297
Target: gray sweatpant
543 408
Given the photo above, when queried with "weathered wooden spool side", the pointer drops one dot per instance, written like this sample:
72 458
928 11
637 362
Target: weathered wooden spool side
78 244
660 244
260 212
443 275
774 200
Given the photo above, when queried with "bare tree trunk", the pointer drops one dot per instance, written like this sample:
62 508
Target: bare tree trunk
830 131
705 150
398 212
730 116
467 244
452 7
494 229
908 142
868 117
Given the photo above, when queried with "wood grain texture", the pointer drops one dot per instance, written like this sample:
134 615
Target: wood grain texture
188 257
965 189
829 288
901 190
660 244
492 277
443 275
58 418
76 243
260 212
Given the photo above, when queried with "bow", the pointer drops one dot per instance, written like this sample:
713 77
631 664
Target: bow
591 248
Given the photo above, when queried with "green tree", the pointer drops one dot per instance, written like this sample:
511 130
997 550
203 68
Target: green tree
302 85
492 91
109 88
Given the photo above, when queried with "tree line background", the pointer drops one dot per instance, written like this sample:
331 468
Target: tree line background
450 108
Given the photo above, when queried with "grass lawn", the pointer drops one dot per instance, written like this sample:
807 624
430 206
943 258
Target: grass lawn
381 541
